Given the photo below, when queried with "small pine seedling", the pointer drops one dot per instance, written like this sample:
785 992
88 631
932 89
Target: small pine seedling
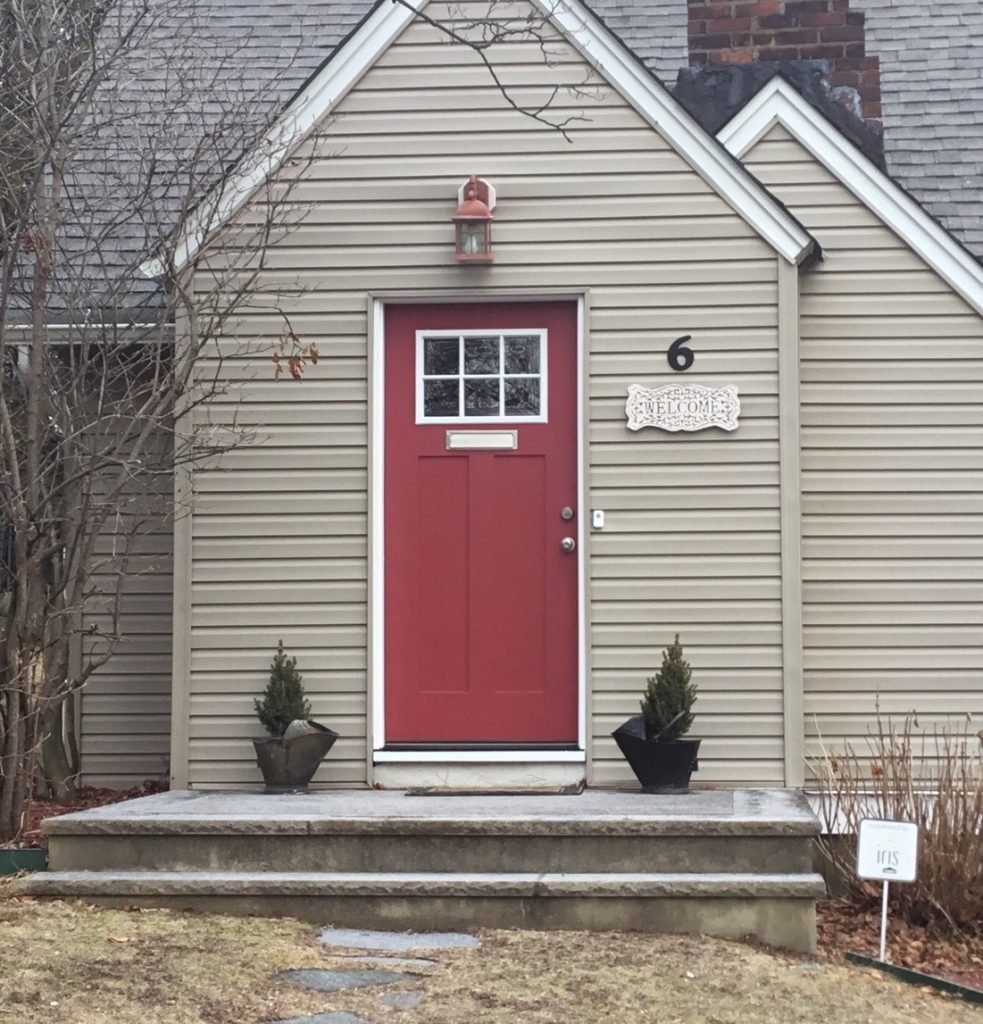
668 702
283 699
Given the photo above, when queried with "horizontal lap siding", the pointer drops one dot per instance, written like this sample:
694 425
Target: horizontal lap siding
892 478
125 707
691 544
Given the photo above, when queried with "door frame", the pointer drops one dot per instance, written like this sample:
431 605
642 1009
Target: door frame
377 303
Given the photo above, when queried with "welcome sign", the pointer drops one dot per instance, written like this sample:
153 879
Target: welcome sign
676 407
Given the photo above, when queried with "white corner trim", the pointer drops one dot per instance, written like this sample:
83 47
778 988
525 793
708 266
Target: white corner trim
737 186
779 103
336 78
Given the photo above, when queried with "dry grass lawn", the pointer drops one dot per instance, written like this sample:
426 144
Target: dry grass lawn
62 962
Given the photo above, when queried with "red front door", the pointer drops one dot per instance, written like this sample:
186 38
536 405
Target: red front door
480 512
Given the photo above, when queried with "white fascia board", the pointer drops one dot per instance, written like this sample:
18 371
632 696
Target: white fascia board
748 197
779 103
343 70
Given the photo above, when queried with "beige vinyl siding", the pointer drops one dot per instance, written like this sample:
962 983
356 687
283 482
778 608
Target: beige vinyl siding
125 708
280 530
892 477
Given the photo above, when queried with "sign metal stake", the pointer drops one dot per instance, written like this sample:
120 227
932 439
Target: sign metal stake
884 922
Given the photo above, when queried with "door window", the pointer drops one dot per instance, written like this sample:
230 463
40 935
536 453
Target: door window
486 377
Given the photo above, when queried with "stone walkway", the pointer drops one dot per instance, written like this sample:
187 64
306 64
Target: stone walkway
380 970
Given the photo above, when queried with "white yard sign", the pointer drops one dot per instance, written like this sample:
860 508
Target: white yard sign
887 851
677 407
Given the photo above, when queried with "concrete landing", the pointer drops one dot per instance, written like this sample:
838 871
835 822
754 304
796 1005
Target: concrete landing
608 812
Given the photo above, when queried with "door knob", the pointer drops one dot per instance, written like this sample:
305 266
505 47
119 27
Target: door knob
568 544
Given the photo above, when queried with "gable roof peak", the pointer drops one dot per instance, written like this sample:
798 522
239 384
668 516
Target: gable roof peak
596 44
778 103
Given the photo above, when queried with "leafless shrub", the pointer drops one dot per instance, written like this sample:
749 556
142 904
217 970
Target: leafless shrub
930 776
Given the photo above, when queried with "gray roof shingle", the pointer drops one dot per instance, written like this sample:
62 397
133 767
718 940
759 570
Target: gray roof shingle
931 58
932 89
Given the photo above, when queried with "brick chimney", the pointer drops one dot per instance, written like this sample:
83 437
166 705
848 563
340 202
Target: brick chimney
744 32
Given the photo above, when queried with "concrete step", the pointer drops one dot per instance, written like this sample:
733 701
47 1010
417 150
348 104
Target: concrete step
708 832
776 908
475 851
730 863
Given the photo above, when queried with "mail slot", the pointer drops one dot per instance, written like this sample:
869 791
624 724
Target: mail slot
482 440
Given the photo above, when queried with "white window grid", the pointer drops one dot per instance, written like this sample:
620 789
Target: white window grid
460 376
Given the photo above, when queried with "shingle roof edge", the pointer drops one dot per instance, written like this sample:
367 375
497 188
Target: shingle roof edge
780 103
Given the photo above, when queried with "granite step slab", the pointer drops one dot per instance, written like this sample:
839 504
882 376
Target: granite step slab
753 812
420 884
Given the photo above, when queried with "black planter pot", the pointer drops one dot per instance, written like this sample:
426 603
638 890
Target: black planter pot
659 767
288 765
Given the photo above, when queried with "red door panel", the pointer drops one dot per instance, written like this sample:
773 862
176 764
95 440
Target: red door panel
480 597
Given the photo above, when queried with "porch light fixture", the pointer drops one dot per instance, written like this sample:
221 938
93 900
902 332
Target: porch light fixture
473 222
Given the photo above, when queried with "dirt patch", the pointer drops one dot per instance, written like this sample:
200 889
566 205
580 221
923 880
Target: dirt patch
32 836
64 962
845 927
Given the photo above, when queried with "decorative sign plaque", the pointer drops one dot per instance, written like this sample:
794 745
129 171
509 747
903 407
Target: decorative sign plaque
677 407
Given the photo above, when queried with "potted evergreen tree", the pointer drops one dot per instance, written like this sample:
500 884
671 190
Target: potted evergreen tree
289 757
652 742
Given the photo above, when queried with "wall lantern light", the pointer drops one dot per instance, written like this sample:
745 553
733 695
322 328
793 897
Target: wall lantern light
473 222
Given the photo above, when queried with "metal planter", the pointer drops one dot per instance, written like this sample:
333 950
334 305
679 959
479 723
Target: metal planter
289 764
660 767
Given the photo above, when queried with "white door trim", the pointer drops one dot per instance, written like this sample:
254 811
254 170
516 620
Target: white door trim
377 480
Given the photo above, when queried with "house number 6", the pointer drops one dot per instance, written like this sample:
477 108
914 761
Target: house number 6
679 356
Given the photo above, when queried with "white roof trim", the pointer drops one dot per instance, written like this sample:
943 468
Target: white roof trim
362 49
749 198
779 103
652 100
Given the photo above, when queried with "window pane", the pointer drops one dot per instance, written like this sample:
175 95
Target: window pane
522 355
481 355
481 397
522 397
441 356
440 397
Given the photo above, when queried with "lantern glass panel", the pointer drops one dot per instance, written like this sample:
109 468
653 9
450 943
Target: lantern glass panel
473 238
